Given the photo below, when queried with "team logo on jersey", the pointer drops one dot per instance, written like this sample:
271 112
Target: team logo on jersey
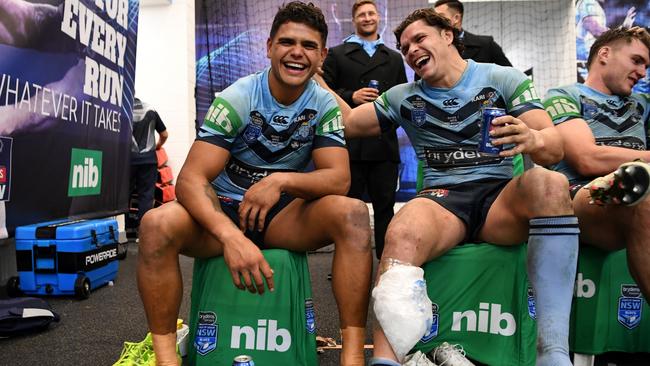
418 111
432 332
304 133
207 330
629 306
254 127
531 304
310 317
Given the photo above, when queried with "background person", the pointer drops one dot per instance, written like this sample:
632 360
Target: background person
477 47
348 69
144 165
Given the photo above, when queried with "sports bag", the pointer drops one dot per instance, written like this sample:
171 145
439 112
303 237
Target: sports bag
25 315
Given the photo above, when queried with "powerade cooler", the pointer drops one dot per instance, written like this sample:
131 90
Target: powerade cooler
65 257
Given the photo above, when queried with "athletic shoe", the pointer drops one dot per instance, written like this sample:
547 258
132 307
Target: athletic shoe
418 359
628 185
450 355
140 354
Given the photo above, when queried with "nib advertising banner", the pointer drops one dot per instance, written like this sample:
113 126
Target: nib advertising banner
66 93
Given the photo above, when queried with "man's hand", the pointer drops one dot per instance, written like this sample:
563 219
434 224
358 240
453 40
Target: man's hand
245 261
365 95
511 130
258 200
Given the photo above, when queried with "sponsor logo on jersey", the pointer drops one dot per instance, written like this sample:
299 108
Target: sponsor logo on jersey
524 94
560 107
629 142
630 305
310 317
281 120
332 121
457 156
222 117
453 102
434 192
207 331
432 332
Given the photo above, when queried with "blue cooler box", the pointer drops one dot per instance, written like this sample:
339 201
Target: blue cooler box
65 257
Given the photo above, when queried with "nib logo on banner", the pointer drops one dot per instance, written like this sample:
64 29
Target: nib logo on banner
85 173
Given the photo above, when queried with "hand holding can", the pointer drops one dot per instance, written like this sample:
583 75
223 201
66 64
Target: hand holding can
485 146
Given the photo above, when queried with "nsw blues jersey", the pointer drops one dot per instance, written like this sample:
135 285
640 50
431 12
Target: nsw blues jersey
264 136
444 124
614 121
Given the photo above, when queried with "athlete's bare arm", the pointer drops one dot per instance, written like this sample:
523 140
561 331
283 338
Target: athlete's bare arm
589 159
532 133
331 176
195 192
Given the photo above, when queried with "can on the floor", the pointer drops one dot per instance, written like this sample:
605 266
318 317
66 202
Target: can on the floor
485 146
243 360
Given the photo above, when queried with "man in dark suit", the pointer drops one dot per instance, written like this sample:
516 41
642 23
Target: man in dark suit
348 70
478 48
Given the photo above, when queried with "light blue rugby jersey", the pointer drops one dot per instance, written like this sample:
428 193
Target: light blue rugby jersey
444 124
614 120
264 136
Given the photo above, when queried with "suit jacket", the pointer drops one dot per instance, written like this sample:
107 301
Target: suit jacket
483 49
348 68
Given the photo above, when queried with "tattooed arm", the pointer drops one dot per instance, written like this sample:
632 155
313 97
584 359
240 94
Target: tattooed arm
195 192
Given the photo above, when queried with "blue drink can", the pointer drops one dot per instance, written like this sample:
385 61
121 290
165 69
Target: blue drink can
485 146
373 84
243 360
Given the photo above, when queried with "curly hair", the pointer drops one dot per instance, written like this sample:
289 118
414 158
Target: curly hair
616 35
432 18
303 13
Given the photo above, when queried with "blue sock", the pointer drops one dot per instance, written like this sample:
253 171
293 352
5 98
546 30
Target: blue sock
376 361
552 260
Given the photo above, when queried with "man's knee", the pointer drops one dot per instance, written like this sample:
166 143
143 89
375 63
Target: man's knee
546 186
156 232
352 219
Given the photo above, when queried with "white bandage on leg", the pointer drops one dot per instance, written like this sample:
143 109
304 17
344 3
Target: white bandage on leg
402 306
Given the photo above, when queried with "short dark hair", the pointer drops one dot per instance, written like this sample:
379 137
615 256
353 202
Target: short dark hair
452 4
432 18
303 13
616 35
358 3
